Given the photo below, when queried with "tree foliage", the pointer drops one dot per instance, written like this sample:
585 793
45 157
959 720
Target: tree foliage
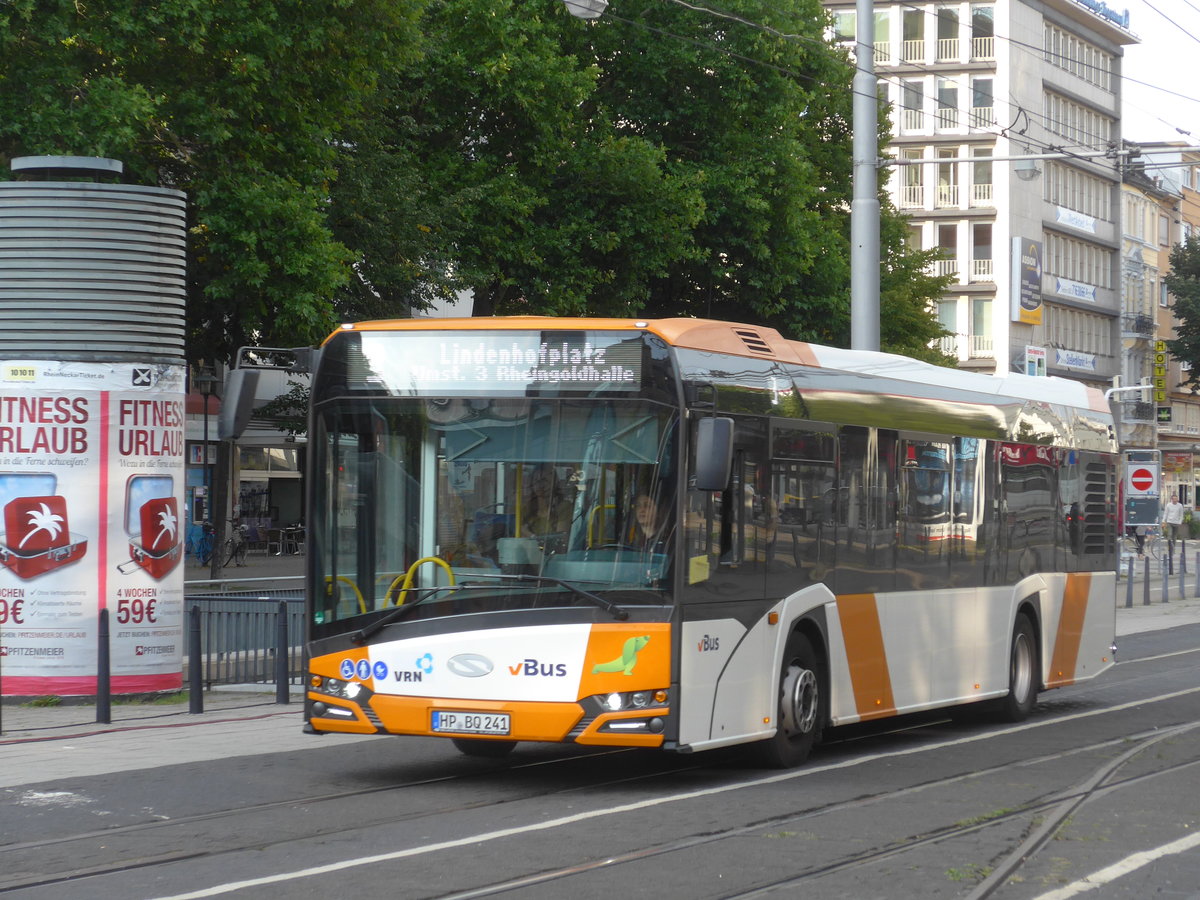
365 158
240 104
1184 284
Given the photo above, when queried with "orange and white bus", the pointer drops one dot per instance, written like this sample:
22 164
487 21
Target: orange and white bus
689 534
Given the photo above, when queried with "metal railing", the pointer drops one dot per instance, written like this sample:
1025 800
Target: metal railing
913 51
983 47
239 639
240 632
1137 324
947 49
981 194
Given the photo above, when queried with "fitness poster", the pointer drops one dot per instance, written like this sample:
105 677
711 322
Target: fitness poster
91 494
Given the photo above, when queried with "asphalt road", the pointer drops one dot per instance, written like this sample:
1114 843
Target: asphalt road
1096 791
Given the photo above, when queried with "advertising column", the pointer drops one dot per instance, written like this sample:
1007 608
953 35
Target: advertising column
91 488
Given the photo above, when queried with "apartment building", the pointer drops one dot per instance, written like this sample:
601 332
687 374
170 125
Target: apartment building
1162 209
1146 205
1034 245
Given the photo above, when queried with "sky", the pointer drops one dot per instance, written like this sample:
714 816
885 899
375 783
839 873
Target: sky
1161 93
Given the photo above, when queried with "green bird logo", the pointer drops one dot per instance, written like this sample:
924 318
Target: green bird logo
628 658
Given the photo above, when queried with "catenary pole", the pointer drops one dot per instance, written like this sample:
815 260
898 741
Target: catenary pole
864 206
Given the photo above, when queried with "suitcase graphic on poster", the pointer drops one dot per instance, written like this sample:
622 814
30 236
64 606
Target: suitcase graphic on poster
160 549
37 538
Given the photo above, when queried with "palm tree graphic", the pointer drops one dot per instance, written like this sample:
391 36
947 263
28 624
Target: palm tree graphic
167 523
42 520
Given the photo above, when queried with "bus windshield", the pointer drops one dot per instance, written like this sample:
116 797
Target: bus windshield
469 505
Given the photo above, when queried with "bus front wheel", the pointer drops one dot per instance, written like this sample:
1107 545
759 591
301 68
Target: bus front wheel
800 718
484 749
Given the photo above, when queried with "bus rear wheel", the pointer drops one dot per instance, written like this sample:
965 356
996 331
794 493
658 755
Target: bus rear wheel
800 718
1022 673
482 749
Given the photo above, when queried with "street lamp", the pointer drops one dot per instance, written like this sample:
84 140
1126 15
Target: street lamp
586 9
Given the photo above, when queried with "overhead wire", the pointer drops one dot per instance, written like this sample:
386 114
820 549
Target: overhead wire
897 79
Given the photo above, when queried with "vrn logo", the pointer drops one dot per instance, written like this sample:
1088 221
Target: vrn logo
533 668
707 644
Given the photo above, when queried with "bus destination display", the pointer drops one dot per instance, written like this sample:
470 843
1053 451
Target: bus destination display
465 362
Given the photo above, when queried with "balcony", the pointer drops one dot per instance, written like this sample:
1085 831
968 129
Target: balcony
983 116
912 196
981 347
981 270
911 120
978 346
983 48
883 53
913 51
947 117
947 50
947 196
945 267
981 195
1137 326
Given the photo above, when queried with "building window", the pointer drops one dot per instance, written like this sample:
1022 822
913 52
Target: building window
983 113
845 25
948 244
981 177
983 39
913 27
1066 186
912 102
1078 123
981 326
981 252
947 183
912 189
947 34
1073 54
947 103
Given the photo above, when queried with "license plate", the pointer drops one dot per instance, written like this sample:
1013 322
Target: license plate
445 721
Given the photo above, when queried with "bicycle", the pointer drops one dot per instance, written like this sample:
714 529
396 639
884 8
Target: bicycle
236 545
1154 544
201 545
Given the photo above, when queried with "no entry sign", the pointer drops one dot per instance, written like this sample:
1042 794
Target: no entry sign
1143 480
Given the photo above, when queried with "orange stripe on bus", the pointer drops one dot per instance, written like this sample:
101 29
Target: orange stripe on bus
1070 630
863 636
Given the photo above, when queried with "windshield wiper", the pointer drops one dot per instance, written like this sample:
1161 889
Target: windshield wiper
363 634
617 612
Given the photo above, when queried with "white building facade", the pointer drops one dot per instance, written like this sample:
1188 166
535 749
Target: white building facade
1033 246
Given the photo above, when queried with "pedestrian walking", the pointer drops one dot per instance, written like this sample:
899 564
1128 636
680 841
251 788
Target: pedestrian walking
1172 522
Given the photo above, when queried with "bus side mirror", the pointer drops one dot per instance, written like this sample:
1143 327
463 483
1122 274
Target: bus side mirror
714 453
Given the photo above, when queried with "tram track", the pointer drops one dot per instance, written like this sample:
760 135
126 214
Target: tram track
665 849
232 820
242 813
950 832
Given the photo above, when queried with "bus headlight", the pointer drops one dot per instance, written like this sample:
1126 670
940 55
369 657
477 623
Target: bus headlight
618 701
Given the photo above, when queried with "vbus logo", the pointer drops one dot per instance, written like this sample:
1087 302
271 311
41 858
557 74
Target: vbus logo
469 665
707 644
534 668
